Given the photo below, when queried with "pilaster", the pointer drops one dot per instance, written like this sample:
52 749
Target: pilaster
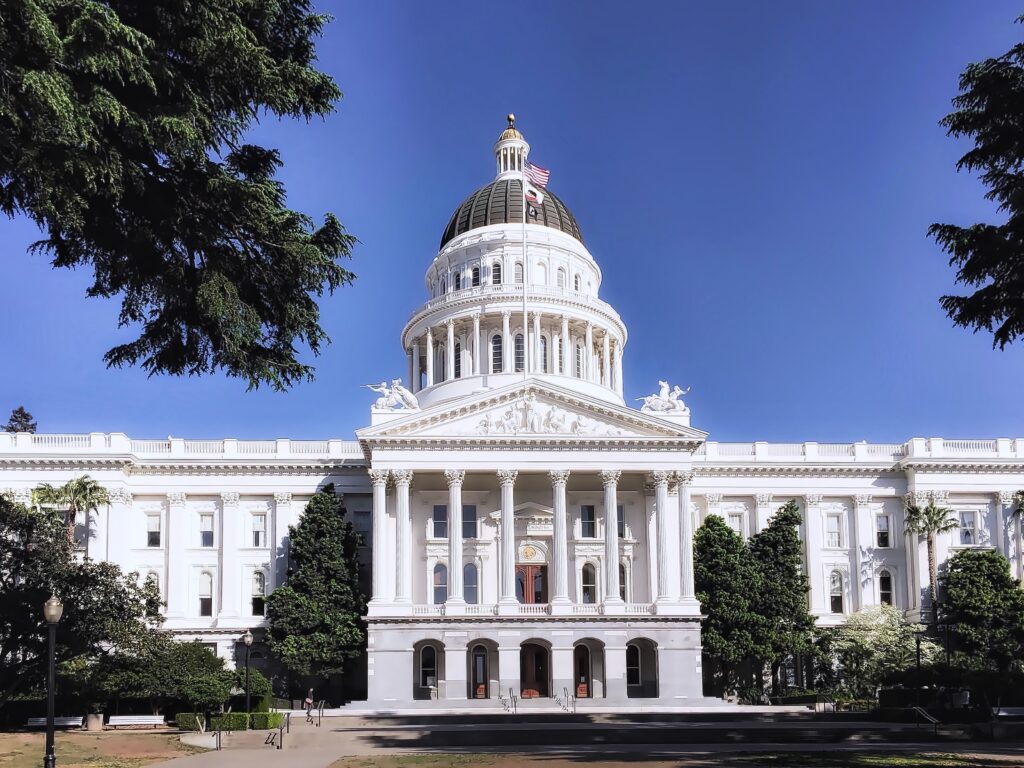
231 533
174 553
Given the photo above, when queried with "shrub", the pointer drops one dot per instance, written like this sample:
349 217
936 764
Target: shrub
230 721
265 721
188 721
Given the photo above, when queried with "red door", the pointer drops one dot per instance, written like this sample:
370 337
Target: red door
532 583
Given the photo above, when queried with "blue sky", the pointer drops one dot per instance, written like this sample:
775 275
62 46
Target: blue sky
755 180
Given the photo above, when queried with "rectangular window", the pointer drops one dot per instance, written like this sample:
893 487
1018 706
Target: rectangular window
259 530
882 531
152 530
440 521
735 522
621 521
833 531
206 530
469 521
588 522
259 605
968 534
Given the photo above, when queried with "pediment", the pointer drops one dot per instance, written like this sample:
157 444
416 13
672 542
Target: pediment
531 411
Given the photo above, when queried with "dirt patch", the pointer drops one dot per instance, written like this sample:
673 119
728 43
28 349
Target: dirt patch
91 750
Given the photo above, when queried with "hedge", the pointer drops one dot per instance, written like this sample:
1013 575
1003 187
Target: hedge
188 721
265 721
230 721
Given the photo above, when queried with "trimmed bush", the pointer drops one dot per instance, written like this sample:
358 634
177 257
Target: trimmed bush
265 721
230 721
188 721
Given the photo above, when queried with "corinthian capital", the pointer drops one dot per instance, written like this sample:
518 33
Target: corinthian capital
684 478
610 477
282 498
661 477
119 496
507 476
229 498
379 476
176 499
559 476
454 476
402 476
812 499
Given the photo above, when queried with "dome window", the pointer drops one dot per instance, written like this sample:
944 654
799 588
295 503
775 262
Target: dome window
476 276
519 272
496 354
457 282
520 353
561 278
576 283
444 288
458 360
544 354
496 273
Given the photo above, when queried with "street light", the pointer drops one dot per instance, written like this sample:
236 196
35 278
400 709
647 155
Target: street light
247 639
52 611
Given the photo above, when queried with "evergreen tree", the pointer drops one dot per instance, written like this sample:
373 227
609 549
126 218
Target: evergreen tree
316 617
123 130
990 257
985 606
20 421
782 601
727 583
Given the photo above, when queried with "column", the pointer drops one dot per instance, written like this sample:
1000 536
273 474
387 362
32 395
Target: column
661 512
813 542
408 363
477 369
538 364
915 583
454 478
174 550
610 481
651 523
507 565
618 367
588 357
277 539
606 360
379 478
449 373
1003 500
506 342
414 385
403 557
560 540
119 530
763 513
566 364
999 538
860 531
430 357
686 589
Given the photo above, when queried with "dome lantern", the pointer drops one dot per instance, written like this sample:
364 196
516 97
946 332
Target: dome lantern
510 151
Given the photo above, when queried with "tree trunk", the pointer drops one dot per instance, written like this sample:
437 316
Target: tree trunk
933 579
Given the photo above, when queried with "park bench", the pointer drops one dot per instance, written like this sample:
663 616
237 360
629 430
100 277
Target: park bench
150 721
58 722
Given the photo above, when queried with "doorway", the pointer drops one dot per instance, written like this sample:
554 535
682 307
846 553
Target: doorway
532 584
479 681
533 671
581 666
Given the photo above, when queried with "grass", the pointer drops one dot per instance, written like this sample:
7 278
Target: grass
855 760
91 750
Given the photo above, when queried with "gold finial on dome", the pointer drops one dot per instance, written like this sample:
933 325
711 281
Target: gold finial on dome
511 132
511 120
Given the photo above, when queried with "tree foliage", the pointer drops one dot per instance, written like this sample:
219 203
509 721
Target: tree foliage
985 605
989 258
80 494
102 606
782 601
122 135
316 617
20 421
728 584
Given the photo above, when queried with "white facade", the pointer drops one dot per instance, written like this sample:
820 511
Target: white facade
591 592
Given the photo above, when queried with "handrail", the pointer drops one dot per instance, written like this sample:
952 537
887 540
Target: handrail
920 713
512 698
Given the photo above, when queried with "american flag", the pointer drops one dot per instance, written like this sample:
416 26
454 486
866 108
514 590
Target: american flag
537 175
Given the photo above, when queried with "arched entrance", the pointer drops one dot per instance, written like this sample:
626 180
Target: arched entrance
479 679
584 678
428 669
641 669
534 671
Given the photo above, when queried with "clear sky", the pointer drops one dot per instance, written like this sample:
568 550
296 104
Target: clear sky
755 180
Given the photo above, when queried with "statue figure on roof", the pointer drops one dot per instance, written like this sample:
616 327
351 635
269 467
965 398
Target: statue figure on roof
666 402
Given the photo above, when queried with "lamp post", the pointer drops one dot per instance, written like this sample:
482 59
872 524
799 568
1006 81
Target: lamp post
52 611
247 640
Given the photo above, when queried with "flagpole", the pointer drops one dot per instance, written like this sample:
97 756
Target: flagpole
526 273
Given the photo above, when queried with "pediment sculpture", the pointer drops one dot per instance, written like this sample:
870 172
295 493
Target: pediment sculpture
394 397
526 416
667 401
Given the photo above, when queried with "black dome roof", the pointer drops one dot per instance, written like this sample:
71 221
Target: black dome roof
501 202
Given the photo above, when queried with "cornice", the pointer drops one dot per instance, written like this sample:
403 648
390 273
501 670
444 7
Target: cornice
948 466
481 621
795 470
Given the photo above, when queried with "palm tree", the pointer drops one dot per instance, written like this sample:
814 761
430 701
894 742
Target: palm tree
79 494
928 521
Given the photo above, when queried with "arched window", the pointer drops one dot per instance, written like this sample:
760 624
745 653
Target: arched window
457 281
589 578
428 667
444 287
154 578
576 282
835 591
458 359
206 594
440 584
885 588
259 593
476 276
632 664
544 354
496 361
469 584
622 582
541 278
520 358
561 278
579 361
479 683
560 354
496 273
518 273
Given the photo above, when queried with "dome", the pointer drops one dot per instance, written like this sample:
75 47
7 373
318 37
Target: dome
501 202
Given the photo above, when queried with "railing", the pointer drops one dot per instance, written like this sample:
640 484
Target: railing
61 441
921 714
151 446
586 609
204 446
970 446
481 610
533 610
257 446
835 450
428 610
639 609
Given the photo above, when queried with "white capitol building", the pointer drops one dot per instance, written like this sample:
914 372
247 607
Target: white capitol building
529 529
